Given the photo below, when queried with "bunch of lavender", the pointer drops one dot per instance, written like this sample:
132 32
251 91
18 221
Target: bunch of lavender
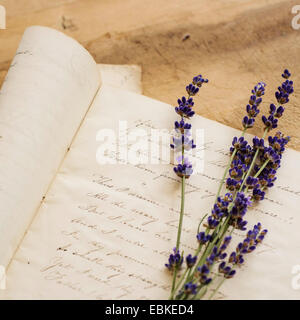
250 172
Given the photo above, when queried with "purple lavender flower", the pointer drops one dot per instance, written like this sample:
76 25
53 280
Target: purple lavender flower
211 223
257 194
227 271
286 74
238 223
183 142
220 208
236 172
190 260
184 108
190 288
241 204
202 273
199 80
248 122
235 258
254 102
218 254
267 178
282 97
182 126
191 89
276 112
251 182
237 163
270 154
175 260
184 170
270 122
225 243
278 142
258 143
212 257
203 238
233 184
259 89
240 144
253 238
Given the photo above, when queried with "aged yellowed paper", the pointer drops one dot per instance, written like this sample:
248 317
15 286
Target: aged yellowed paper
105 231
50 84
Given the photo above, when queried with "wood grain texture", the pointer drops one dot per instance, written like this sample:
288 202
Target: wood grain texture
234 43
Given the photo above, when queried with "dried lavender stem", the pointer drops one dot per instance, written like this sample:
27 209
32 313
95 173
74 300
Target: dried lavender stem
178 284
200 294
216 289
181 212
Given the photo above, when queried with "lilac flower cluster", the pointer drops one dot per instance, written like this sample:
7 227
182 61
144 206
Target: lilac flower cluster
182 141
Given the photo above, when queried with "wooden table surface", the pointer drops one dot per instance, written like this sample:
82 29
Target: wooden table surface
234 43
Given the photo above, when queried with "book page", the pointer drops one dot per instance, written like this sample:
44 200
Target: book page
48 89
126 77
105 231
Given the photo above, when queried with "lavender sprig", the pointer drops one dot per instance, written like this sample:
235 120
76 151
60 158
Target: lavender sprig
183 142
251 171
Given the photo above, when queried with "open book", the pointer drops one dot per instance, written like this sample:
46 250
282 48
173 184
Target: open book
73 228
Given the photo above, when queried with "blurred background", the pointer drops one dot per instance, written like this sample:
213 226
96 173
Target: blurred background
233 43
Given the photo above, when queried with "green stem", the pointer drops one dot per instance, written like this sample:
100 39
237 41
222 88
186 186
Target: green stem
261 169
173 282
178 284
180 222
252 163
181 212
199 293
216 289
